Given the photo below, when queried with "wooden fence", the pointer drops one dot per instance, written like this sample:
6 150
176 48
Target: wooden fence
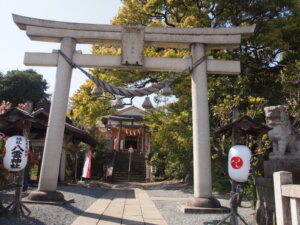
287 199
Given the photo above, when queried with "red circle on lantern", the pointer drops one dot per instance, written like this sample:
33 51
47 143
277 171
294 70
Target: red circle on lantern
236 162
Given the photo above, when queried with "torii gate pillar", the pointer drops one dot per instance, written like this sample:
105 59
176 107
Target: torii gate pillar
203 199
201 144
57 119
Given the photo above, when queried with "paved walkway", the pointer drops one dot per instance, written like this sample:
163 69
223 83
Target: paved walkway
122 206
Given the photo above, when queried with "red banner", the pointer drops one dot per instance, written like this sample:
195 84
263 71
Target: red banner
87 166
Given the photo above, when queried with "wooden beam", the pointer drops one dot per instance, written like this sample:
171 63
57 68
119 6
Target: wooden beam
150 63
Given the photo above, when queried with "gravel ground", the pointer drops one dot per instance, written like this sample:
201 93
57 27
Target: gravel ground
169 208
166 197
51 214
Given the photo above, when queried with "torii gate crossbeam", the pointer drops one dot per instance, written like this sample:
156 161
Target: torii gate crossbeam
132 39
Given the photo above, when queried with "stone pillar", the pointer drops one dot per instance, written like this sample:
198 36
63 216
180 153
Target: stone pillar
201 145
62 171
201 135
57 119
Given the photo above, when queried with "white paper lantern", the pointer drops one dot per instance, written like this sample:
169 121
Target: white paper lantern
239 159
15 153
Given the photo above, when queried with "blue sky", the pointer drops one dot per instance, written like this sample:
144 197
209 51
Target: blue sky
14 42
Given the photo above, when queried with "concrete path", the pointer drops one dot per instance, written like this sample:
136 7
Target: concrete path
122 206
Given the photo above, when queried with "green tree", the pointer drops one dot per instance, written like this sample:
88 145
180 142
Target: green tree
265 55
87 109
259 54
270 70
21 86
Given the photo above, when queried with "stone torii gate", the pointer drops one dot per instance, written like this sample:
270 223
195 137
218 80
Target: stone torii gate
132 39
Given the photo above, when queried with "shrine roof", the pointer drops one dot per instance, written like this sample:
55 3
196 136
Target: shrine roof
131 111
79 134
130 114
246 125
11 123
14 114
121 118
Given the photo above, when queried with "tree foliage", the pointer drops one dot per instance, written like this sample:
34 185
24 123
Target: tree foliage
21 86
269 58
270 72
87 109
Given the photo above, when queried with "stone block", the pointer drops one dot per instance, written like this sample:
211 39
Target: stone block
293 166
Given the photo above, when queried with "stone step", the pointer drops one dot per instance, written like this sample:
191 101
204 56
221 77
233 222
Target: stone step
126 171
125 174
138 169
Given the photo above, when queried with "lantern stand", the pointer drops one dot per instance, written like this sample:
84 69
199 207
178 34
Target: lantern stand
17 205
245 125
236 190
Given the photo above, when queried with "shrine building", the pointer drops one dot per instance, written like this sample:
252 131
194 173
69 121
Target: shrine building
129 140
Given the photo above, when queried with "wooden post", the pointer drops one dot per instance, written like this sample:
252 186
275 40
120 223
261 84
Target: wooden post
62 171
119 135
295 210
235 116
75 172
143 138
283 213
234 205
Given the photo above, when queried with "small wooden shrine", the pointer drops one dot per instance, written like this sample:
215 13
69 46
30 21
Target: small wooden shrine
12 121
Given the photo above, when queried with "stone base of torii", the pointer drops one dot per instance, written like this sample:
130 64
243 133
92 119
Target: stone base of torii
132 39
